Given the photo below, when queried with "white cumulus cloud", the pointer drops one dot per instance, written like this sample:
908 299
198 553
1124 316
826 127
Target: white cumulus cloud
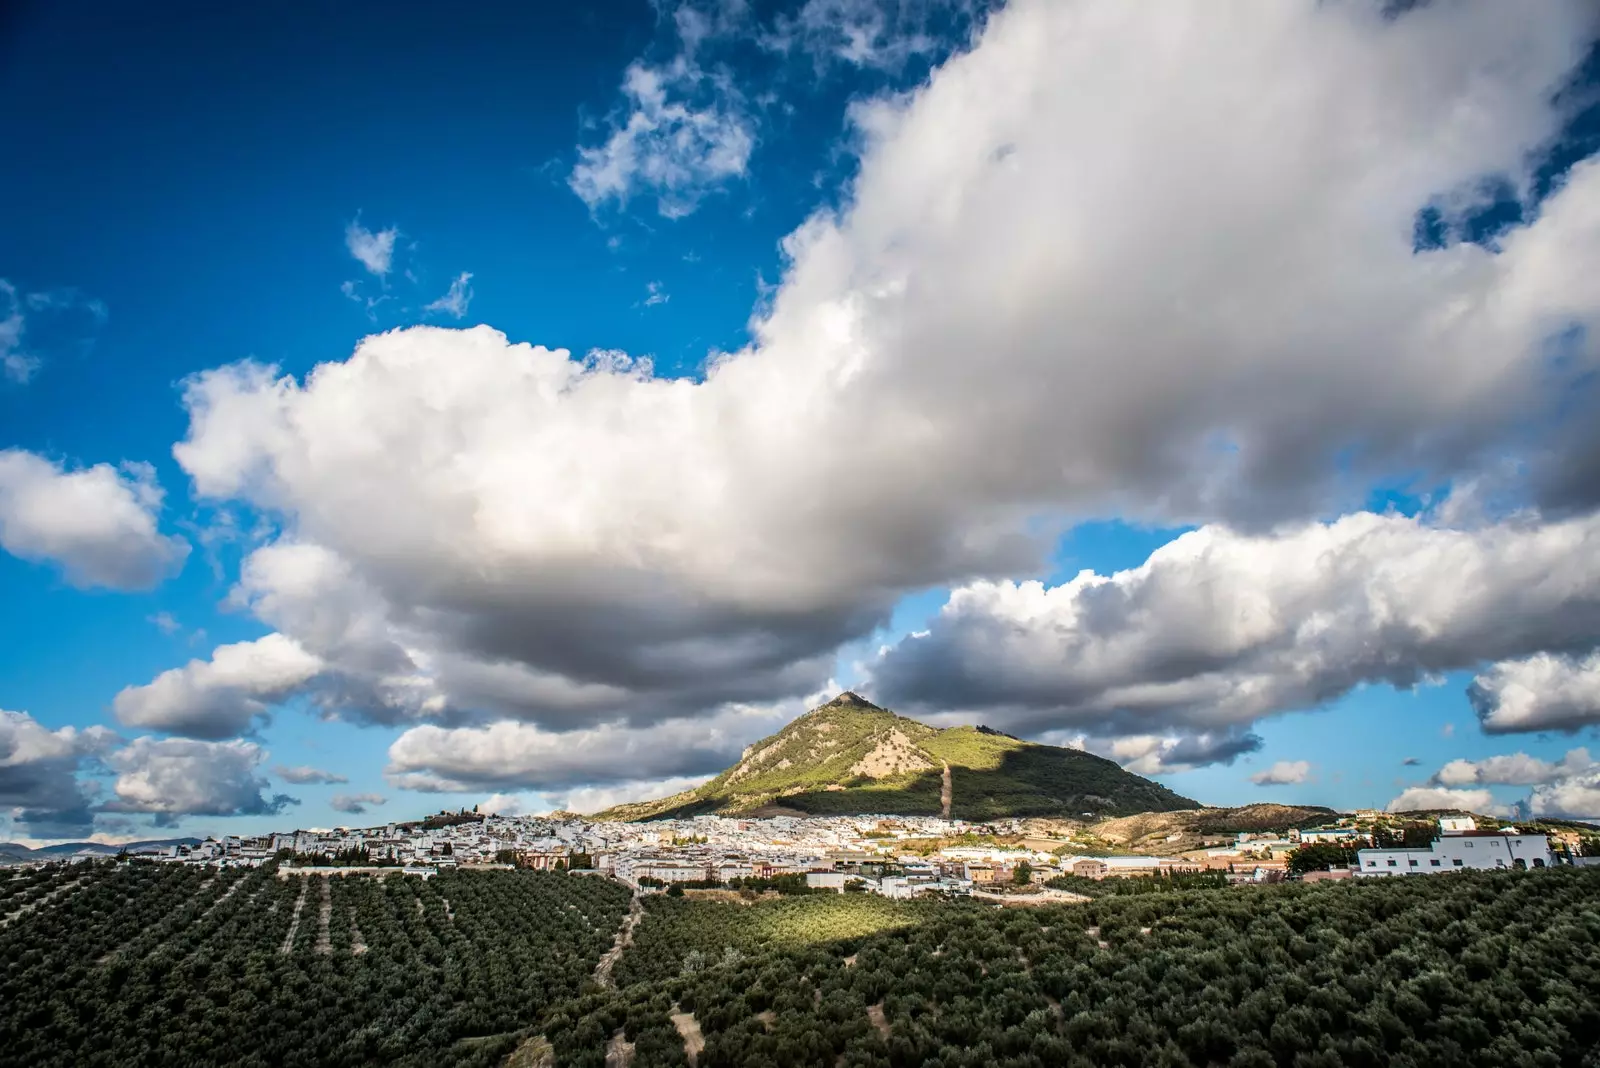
454 302
220 697
1514 769
519 756
176 777
1202 305
682 133
98 524
373 249
39 784
304 774
355 804
1576 798
1220 628
1283 773
592 799
1421 798
1544 691
1163 754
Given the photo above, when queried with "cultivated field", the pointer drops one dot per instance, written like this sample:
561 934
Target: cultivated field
147 965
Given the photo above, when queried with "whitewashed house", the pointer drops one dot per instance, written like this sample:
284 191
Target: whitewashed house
1479 850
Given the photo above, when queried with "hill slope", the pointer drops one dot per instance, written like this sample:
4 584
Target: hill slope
850 756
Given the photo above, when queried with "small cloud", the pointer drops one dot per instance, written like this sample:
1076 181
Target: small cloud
57 308
684 132
1283 773
1447 730
503 805
304 775
655 294
352 292
454 303
1411 762
356 804
375 251
165 623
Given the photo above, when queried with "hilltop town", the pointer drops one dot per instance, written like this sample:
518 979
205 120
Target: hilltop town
898 856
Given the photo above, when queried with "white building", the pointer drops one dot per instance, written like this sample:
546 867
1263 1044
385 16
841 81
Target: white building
1335 834
826 880
910 886
1482 850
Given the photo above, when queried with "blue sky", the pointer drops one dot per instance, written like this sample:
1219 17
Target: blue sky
992 318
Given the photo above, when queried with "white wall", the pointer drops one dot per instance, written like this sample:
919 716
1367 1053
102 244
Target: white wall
1457 853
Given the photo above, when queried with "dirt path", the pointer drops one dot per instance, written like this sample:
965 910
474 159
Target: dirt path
294 920
534 1053
357 945
619 1051
689 1028
1046 896
945 792
324 943
878 1019
602 970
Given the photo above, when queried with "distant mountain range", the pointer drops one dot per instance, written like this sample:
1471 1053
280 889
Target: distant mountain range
14 852
849 757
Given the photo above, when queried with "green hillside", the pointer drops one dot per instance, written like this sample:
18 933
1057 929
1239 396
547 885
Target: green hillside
850 756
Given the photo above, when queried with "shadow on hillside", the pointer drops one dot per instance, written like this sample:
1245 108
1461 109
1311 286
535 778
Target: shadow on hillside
1029 781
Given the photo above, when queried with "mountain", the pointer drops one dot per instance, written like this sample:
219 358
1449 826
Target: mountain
850 756
18 852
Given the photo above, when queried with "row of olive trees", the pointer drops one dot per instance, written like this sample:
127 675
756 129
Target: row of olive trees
1478 969
145 964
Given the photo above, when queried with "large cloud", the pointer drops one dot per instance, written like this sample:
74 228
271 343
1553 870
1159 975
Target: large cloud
39 782
1423 798
1514 769
1568 788
1577 798
1091 268
1219 628
220 697
514 756
97 523
1537 693
175 777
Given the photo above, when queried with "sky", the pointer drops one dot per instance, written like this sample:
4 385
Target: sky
532 408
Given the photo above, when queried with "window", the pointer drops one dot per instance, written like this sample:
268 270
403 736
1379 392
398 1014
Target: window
1469 845
1412 862
1458 862
1372 864
1537 863
1391 862
1434 862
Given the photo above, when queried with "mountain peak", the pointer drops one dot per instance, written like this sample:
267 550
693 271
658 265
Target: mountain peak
851 756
